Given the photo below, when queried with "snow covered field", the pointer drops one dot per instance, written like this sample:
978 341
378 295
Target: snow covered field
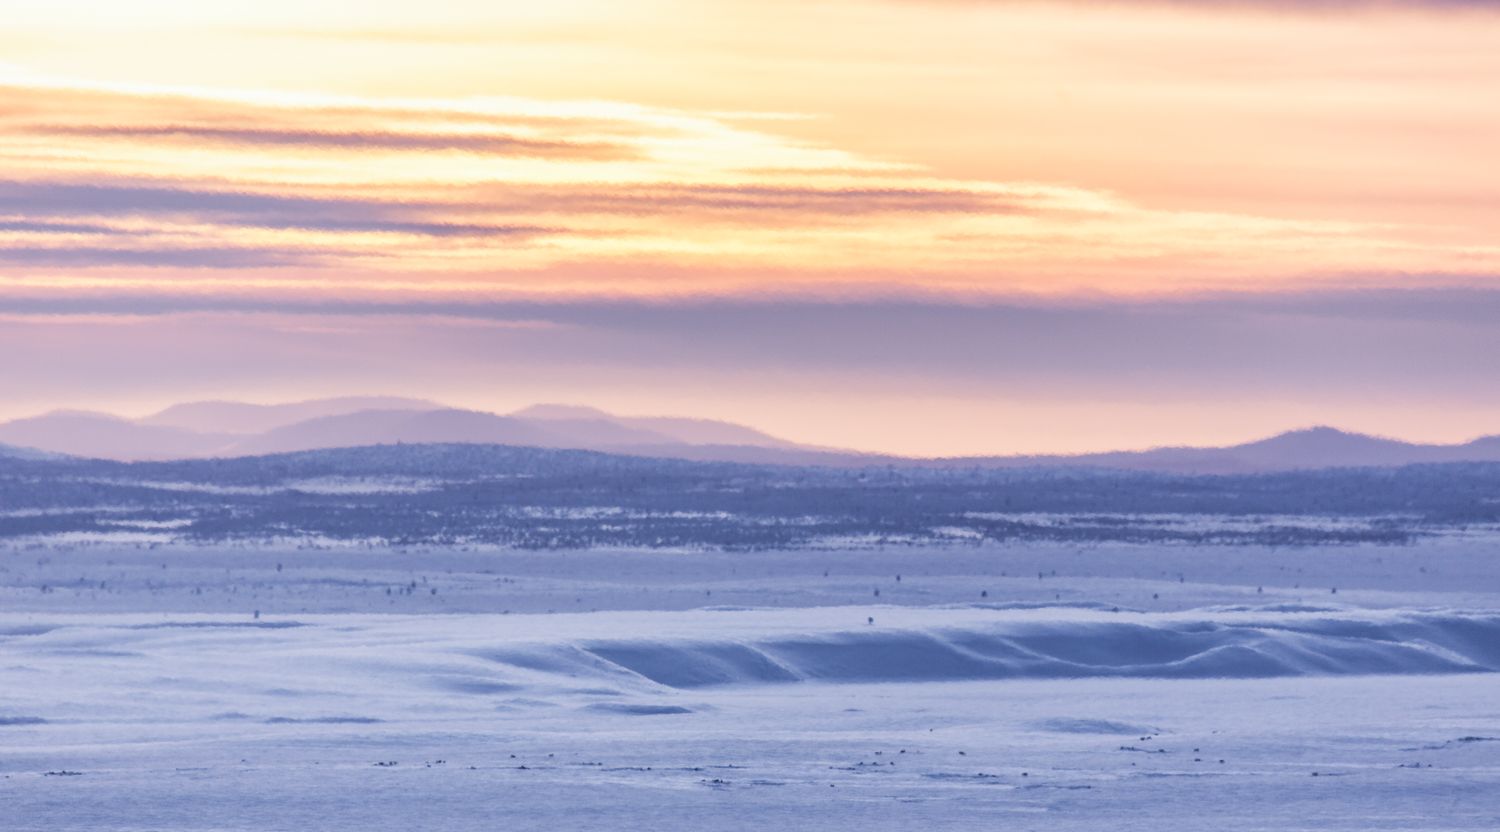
1024 687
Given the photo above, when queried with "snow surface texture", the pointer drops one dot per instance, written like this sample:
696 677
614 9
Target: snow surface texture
1138 687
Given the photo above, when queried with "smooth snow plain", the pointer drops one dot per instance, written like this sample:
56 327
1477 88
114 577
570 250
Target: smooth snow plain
1013 687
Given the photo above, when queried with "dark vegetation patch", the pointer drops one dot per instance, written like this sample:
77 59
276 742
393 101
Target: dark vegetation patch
543 499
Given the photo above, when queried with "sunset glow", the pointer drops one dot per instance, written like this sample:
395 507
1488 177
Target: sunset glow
494 204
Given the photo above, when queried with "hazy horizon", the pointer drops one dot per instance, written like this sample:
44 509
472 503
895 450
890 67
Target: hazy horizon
908 429
370 402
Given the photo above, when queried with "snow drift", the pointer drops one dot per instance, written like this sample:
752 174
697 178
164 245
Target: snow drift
561 657
1138 646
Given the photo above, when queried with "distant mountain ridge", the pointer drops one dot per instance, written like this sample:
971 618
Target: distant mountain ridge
105 436
692 431
234 429
1309 448
242 417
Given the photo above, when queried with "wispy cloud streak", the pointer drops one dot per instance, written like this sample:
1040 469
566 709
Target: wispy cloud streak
487 144
195 257
582 191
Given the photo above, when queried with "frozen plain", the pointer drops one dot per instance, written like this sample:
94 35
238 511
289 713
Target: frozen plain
1024 687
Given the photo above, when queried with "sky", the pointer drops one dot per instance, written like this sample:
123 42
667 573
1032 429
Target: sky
927 227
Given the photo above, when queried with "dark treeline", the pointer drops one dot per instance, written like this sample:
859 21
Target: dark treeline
459 494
